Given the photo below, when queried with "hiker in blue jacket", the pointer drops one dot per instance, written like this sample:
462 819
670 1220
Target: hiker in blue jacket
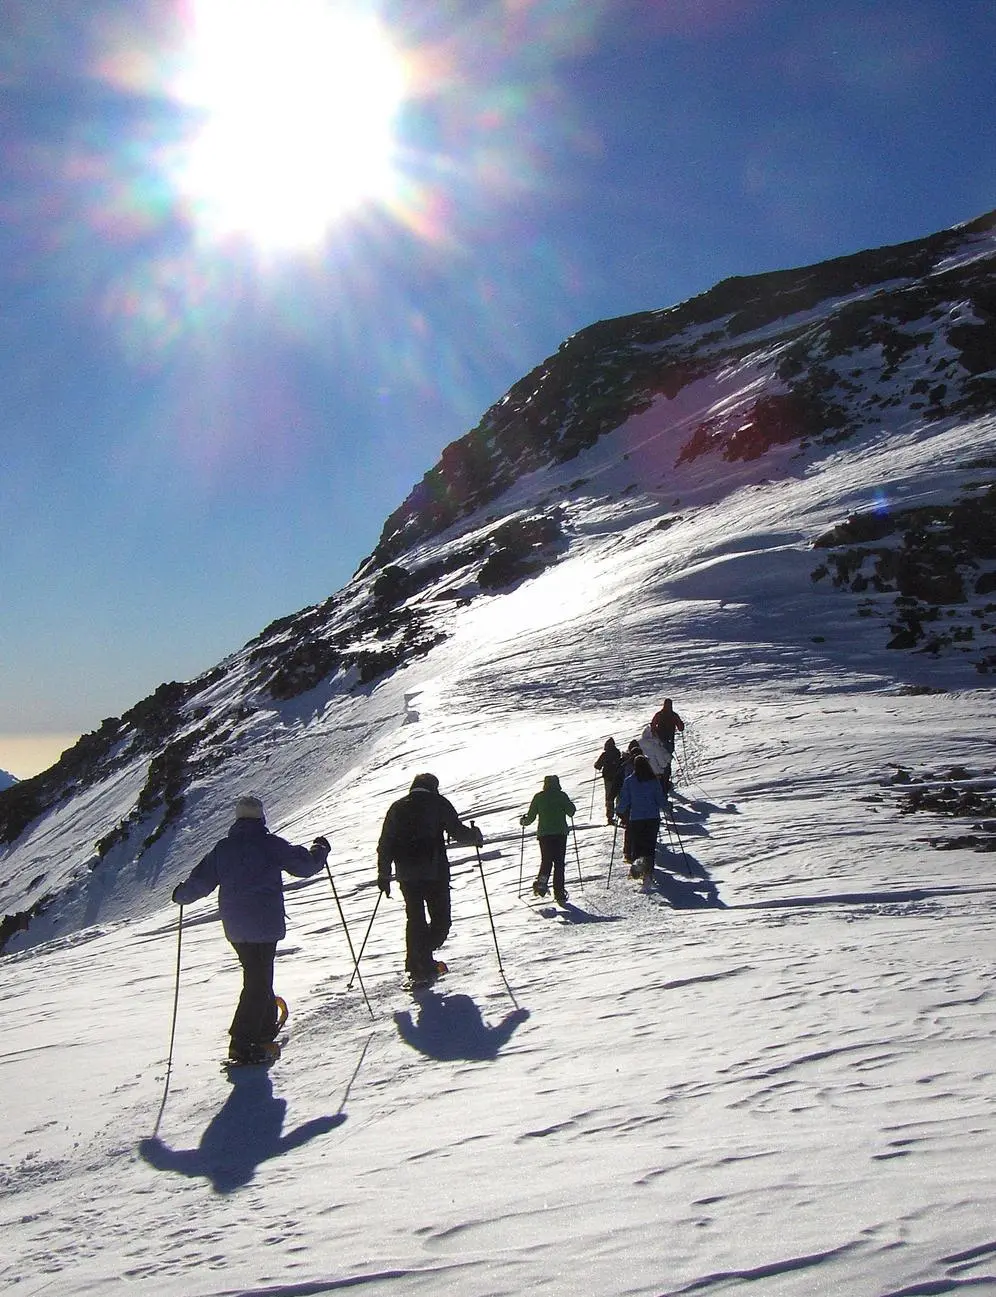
246 867
640 805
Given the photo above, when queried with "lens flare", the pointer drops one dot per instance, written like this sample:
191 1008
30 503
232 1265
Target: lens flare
298 103
252 201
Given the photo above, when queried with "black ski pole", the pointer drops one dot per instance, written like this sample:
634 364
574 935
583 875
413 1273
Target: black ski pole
670 836
591 809
363 943
522 852
480 866
577 854
612 855
172 1030
683 770
669 814
349 939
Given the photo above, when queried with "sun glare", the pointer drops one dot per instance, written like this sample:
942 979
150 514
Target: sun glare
299 101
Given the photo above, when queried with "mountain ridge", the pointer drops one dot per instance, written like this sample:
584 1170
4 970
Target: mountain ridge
628 439
460 481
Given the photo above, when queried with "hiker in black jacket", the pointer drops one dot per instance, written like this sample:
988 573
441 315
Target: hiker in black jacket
412 840
610 764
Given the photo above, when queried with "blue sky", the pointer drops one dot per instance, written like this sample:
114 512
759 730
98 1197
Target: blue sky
202 433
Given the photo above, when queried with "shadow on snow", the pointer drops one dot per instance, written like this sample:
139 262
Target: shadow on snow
569 913
684 882
244 1134
903 896
450 1027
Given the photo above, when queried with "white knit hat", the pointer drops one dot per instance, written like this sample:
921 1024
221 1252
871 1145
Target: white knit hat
249 808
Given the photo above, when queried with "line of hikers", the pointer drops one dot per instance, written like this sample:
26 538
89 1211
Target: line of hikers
247 868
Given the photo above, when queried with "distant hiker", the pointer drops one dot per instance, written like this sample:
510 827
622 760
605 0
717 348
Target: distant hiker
551 808
640 806
659 756
246 868
665 724
610 763
11 923
633 750
412 840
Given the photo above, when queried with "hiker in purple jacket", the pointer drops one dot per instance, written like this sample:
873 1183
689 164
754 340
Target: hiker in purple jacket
246 867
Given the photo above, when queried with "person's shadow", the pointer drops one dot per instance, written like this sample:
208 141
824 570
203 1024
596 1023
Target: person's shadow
246 1132
451 1027
688 886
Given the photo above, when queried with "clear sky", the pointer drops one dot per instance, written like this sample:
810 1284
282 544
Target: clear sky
260 260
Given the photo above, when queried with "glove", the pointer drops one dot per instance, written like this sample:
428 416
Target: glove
478 837
322 844
176 899
384 883
523 820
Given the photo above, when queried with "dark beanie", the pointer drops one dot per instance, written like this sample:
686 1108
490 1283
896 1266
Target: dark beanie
429 782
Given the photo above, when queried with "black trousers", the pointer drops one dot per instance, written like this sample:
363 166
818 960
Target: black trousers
613 786
255 1020
643 838
553 853
427 909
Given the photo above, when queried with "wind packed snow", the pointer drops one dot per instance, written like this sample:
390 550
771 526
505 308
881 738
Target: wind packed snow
773 1072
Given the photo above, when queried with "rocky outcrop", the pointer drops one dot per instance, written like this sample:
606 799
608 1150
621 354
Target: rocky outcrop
839 339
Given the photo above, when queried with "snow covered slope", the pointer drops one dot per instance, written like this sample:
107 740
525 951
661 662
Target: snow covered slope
775 1069
806 455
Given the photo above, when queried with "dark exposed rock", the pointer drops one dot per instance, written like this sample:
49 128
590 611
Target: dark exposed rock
302 668
957 795
745 434
523 549
929 563
392 585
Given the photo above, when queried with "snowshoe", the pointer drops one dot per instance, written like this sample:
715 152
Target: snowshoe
419 981
254 1056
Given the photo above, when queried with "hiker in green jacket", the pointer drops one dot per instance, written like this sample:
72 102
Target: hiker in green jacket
551 807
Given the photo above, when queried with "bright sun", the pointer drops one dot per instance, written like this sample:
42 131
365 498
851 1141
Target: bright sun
299 100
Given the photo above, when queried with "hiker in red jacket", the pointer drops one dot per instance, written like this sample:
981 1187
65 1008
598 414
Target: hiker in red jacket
665 724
